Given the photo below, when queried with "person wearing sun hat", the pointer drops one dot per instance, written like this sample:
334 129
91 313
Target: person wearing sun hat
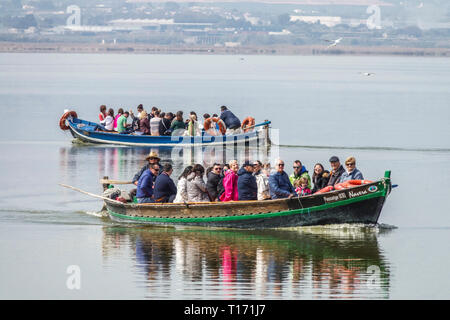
151 158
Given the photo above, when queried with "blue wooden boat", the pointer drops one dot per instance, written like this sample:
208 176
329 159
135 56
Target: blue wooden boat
92 132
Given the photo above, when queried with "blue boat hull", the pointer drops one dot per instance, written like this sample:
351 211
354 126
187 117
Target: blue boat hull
88 132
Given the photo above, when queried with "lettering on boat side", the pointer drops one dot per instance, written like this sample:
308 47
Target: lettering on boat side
335 197
352 194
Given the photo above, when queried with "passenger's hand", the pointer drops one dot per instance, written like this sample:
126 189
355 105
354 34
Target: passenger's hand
291 195
135 183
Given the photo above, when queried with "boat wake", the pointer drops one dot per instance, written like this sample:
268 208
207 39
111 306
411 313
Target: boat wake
347 231
53 212
99 214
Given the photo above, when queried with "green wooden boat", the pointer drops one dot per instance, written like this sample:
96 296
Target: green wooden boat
360 204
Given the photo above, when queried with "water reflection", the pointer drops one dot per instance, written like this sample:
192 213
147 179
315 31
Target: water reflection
269 264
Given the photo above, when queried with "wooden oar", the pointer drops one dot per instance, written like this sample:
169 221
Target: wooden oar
108 181
88 193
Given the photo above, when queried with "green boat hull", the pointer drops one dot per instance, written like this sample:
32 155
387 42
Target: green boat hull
361 204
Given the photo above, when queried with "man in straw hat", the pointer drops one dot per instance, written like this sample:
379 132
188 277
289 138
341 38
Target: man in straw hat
151 158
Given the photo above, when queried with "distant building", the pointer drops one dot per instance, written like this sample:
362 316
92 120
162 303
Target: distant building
232 44
282 33
325 20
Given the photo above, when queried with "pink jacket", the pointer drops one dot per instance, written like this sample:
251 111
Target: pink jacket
230 184
303 191
115 120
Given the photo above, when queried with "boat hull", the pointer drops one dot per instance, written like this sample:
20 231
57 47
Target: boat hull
361 205
87 132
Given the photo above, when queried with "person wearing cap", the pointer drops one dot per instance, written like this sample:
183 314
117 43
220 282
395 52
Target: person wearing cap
232 122
351 173
262 180
279 184
299 172
336 171
151 158
144 192
247 187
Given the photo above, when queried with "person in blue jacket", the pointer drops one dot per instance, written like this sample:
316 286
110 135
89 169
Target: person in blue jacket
165 189
279 184
231 121
247 187
144 192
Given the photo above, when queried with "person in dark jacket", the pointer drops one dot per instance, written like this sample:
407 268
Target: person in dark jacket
144 125
165 189
164 124
247 187
151 158
220 187
279 184
231 121
320 177
213 179
144 192
336 171
135 124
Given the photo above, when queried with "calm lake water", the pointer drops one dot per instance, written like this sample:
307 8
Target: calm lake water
397 119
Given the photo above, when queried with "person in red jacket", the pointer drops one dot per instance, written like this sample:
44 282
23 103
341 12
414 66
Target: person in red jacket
102 115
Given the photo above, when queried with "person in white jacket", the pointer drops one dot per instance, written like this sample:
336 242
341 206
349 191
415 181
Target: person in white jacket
182 195
108 122
262 181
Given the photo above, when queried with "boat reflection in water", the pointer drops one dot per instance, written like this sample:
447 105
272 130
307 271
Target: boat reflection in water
308 263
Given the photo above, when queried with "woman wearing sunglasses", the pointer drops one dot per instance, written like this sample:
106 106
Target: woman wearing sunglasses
351 172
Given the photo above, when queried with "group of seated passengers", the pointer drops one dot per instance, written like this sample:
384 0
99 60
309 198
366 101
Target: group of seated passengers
159 123
253 181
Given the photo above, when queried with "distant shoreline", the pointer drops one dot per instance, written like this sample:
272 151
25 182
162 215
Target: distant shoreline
133 48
